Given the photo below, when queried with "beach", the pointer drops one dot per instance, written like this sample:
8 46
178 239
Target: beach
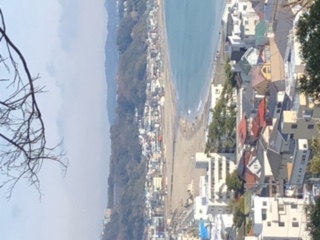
182 137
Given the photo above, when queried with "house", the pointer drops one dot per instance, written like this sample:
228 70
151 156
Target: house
279 218
301 120
242 29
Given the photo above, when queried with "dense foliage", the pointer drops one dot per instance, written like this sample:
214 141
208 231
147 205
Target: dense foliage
308 34
234 182
314 164
313 213
127 168
222 128
237 208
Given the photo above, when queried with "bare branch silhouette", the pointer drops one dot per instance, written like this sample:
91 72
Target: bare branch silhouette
23 142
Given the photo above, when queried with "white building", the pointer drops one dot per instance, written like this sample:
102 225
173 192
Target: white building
214 195
279 218
244 20
250 19
297 168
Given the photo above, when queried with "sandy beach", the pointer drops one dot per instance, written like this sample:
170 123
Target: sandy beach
182 139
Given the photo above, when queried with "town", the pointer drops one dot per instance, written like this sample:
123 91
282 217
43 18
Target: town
256 184
274 126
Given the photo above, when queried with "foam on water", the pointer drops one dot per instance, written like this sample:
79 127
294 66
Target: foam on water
192 29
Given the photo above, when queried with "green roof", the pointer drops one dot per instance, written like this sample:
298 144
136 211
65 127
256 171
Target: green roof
260 32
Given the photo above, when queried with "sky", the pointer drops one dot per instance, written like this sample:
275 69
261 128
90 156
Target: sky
63 41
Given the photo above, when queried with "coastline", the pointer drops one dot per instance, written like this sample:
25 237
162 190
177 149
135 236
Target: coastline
191 94
183 136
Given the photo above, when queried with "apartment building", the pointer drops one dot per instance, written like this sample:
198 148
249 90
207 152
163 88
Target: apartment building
242 28
301 120
279 218
214 195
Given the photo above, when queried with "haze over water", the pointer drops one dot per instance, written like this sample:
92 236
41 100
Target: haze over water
193 35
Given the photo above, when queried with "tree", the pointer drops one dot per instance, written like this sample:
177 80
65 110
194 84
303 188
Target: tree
304 4
23 139
313 212
308 34
314 164
234 182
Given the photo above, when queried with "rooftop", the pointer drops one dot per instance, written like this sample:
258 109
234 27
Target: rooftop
260 120
242 130
257 77
277 63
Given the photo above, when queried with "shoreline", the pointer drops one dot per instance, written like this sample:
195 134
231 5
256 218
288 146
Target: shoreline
197 111
183 136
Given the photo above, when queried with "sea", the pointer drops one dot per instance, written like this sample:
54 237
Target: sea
192 33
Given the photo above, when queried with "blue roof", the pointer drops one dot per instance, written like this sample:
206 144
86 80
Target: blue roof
204 233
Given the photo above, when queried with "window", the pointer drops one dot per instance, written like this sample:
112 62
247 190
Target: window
294 126
281 207
269 224
220 169
264 214
310 126
246 22
303 159
281 224
264 203
294 206
295 224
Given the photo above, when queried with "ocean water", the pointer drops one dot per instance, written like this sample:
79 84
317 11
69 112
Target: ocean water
192 31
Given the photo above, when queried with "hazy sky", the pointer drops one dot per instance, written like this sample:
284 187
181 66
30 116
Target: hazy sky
63 41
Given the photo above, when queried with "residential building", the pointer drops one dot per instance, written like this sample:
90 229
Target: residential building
214 195
301 120
249 19
242 28
279 218
298 166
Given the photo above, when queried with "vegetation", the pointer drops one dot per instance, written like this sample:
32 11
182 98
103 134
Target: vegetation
248 226
234 182
313 213
222 129
237 208
127 167
308 33
304 4
314 163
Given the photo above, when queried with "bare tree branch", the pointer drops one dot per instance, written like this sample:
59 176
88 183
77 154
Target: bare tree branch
23 142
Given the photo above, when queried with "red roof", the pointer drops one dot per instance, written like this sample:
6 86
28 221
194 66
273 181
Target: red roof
259 121
255 129
242 130
249 177
262 112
